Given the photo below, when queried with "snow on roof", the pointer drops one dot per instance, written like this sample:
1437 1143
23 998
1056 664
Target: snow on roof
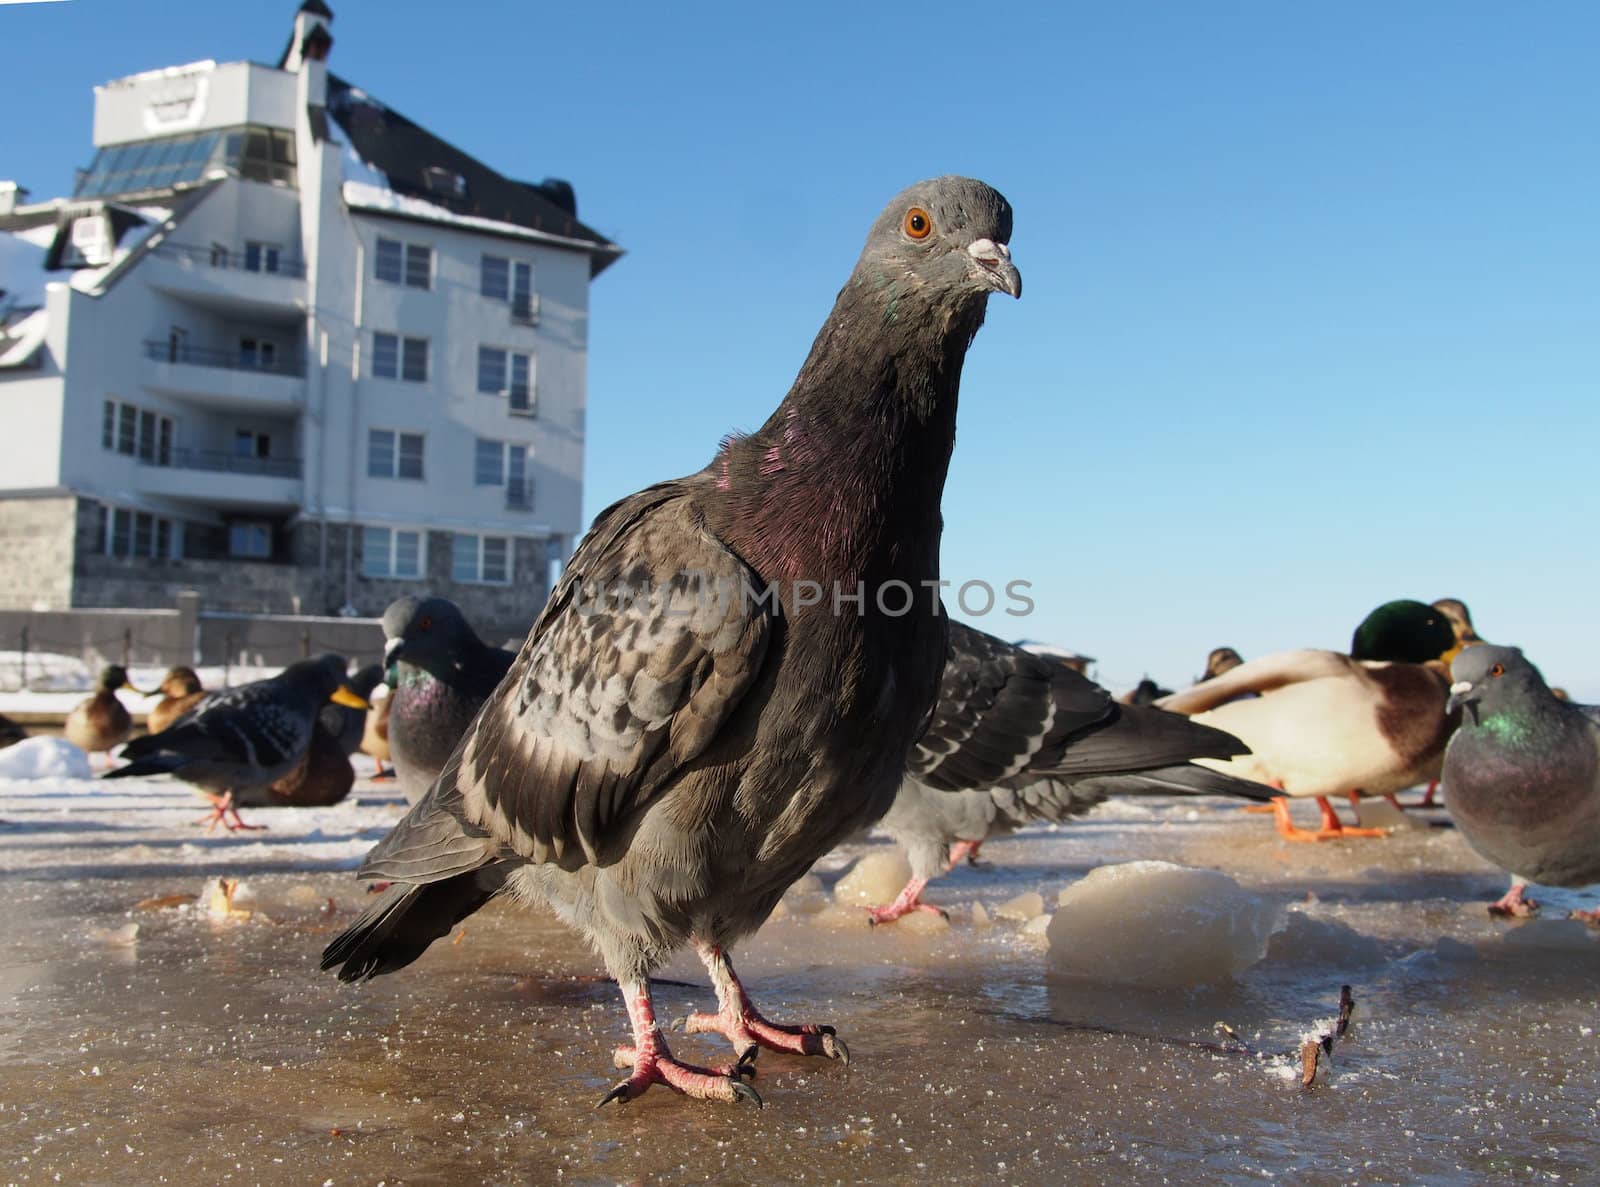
204 66
358 169
19 342
22 273
91 280
382 200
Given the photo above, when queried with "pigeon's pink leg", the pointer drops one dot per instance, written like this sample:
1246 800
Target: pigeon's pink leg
1427 796
652 1062
909 900
1592 918
1515 903
741 1023
966 851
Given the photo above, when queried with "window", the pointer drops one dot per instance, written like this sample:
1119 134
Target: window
262 154
137 534
489 464
219 255
484 559
439 180
250 539
258 353
394 455
249 443
396 357
260 257
136 432
508 373
501 279
391 552
410 264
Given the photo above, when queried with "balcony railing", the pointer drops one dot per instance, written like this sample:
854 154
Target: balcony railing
220 461
519 494
232 360
242 261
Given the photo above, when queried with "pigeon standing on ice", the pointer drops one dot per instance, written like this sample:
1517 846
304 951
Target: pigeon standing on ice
728 679
1019 738
1524 775
443 675
234 744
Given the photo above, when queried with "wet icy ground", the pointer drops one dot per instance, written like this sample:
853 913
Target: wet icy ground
177 1044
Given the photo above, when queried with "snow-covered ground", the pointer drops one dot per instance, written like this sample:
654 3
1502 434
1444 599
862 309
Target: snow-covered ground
148 1032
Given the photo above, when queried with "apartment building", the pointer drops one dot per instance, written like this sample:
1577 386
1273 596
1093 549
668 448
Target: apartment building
285 346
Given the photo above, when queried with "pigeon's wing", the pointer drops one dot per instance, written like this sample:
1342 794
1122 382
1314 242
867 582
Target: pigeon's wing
254 724
644 650
1001 711
1261 675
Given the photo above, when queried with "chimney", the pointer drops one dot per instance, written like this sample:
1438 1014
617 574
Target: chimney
12 195
311 39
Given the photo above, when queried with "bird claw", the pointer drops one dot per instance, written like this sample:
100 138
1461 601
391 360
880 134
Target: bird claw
744 1092
620 1092
834 1048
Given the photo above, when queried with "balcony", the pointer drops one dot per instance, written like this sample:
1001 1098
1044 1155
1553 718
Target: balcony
230 379
224 480
242 284
519 494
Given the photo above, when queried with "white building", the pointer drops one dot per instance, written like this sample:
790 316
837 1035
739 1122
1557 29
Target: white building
288 348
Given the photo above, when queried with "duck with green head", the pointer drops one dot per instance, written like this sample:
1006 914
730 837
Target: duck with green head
1325 723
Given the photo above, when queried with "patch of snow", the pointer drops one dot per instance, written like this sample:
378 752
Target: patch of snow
1160 925
44 758
363 196
21 340
358 169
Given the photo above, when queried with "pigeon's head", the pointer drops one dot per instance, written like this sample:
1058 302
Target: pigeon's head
1405 632
1489 678
427 633
1460 620
947 238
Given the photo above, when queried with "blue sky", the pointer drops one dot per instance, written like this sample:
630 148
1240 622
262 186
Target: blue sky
1312 308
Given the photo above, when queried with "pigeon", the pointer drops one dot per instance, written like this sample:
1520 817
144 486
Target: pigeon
347 725
234 744
1368 723
1524 776
180 691
443 675
729 677
1019 738
101 722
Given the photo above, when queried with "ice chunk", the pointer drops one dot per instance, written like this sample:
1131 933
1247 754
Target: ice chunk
875 880
980 917
1039 926
1161 925
44 758
1371 813
1026 906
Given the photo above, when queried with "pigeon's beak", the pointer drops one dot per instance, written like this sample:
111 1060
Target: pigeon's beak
391 651
1462 692
992 266
349 698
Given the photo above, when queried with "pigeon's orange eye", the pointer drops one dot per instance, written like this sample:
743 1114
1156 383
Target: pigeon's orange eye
918 224
1498 670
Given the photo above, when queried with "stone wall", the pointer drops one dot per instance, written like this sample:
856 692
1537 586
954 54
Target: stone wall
36 543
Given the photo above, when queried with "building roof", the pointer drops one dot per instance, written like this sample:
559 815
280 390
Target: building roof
419 165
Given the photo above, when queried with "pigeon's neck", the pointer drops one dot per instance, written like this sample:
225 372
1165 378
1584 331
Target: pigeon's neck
844 481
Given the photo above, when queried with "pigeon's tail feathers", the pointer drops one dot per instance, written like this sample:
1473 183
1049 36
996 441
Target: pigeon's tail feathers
398 928
1140 738
1180 780
154 764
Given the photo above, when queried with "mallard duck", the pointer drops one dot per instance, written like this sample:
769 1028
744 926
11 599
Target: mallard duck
375 731
1371 722
234 744
346 724
444 674
1221 659
324 776
1460 620
101 722
180 691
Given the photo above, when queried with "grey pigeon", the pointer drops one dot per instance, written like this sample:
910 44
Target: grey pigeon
730 675
235 744
1019 738
443 673
347 724
1523 771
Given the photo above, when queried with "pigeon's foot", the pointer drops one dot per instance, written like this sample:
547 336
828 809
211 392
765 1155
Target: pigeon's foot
1515 904
1428 797
653 1063
1592 918
224 813
741 1023
380 774
908 900
966 851
1331 830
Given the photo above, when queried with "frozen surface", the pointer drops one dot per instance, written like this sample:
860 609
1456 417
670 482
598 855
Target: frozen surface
44 758
153 1029
1160 925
